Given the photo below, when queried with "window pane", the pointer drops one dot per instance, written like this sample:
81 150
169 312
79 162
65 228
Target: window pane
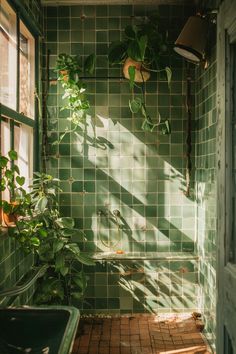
23 142
27 84
7 55
5 146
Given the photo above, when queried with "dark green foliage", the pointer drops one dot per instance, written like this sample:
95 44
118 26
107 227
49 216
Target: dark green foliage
146 44
40 229
69 71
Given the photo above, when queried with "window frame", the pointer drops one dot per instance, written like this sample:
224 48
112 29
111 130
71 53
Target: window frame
14 116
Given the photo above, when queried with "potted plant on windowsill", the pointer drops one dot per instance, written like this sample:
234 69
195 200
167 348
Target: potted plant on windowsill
70 69
141 52
11 182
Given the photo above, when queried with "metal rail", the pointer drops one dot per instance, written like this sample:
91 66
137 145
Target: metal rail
18 289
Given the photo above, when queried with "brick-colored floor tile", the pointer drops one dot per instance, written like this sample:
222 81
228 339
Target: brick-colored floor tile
139 334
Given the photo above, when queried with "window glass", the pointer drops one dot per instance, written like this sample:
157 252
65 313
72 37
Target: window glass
5 146
23 142
8 55
27 84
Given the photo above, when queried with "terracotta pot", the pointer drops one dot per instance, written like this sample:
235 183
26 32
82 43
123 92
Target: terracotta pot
65 74
11 218
141 74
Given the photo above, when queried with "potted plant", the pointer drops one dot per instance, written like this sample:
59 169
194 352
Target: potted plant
55 241
16 199
69 71
140 53
39 228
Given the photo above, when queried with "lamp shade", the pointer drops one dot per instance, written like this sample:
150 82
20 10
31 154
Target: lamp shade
191 42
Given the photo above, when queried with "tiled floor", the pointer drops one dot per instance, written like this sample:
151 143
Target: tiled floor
136 334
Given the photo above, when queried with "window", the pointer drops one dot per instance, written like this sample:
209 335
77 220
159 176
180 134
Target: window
17 86
5 144
26 71
23 145
8 55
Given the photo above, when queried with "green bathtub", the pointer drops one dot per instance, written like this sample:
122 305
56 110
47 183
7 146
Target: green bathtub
38 330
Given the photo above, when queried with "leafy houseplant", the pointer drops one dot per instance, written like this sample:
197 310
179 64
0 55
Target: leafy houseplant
55 240
12 183
42 230
141 52
69 70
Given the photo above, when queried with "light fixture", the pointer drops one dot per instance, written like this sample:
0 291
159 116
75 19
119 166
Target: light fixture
191 42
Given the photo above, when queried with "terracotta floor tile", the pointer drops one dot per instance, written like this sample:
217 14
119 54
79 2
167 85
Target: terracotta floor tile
139 334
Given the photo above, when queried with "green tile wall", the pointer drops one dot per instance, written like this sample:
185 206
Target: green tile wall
115 165
32 10
205 179
126 286
14 264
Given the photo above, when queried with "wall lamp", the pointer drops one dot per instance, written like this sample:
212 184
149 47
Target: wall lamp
191 42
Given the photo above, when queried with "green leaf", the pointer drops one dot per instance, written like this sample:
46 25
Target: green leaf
35 241
135 105
3 161
78 236
168 75
45 252
20 180
77 295
83 258
117 52
69 232
131 71
142 46
65 222
16 169
6 207
165 127
64 271
13 155
41 204
80 280
89 64
134 51
9 174
59 261
148 126
73 247
130 31
42 233
144 111
57 245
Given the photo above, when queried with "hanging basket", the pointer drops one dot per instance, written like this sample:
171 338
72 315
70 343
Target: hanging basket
141 74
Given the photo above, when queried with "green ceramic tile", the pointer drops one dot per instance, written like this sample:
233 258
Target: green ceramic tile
156 163
64 24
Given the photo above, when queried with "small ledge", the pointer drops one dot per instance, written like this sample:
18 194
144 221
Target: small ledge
161 256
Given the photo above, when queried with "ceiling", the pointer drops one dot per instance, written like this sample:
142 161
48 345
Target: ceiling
116 2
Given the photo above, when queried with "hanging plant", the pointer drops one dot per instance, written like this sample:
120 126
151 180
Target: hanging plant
140 53
69 71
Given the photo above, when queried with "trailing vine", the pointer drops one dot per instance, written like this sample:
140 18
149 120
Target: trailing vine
69 70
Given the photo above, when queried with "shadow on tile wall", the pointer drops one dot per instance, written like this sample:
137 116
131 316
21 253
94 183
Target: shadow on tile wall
114 165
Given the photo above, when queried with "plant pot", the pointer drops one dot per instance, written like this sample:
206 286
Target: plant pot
65 74
10 219
141 74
